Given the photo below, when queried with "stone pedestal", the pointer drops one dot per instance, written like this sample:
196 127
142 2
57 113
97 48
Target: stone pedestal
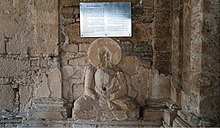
46 108
153 114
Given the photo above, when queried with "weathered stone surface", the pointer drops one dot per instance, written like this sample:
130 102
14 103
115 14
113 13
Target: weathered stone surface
2 45
175 38
12 67
72 31
69 2
72 81
25 95
140 32
141 83
163 44
55 83
153 114
162 31
178 122
148 3
42 89
7 97
83 47
28 30
160 86
105 94
193 62
163 4
129 64
163 16
169 116
81 61
50 85
163 66
46 108
70 48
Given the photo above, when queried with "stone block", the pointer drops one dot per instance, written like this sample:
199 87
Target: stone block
179 123
153 114
73 33
168 116
160 86
164 67
139 32
13 67
137 11
43 89
46 5
156 103
127 46
8 25
148 3
47 41
2 44
46 108
51 17
163 4
4 81
176 3
163 56
69 2
25 36
163 44
81 61
67 12
7 97
67 72
163 17
78 90
162 31
55 83
50 84
25 94
129 64
140 83
84 47
45 115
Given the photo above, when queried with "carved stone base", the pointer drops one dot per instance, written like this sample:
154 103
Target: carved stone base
46 108
153 114
105 115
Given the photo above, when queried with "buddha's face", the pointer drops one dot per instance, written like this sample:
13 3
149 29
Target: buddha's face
105 57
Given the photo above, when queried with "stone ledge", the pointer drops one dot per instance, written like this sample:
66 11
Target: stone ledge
120 123
83 124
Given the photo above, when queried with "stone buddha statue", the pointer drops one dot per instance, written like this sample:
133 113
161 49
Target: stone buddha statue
106 91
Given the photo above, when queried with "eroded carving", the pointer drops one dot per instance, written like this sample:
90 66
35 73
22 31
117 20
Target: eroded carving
105 91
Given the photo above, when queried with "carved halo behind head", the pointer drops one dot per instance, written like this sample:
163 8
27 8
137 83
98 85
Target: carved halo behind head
103 44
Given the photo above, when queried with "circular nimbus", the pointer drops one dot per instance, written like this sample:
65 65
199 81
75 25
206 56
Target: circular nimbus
102 44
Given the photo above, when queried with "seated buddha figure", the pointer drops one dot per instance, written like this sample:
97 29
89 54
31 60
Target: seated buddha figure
105 91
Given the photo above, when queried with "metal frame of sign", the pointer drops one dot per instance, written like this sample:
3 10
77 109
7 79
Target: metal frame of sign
105 19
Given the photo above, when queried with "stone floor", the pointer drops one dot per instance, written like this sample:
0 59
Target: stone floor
19 123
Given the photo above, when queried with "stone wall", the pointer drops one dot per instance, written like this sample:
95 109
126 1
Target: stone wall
42 54
146 55
162 35
195 61
28 50
209 79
